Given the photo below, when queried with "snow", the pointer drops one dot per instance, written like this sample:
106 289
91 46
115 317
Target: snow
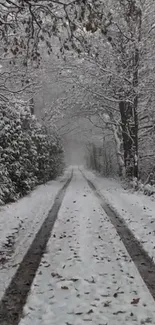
86 275
19 223
135 208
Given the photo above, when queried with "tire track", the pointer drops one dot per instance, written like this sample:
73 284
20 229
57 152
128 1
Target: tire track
14 299
140 257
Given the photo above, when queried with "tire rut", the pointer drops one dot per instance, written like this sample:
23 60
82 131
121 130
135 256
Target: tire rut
140 257
14 299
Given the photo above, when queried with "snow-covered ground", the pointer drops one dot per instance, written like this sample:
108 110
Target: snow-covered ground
86 275
19 223
136 209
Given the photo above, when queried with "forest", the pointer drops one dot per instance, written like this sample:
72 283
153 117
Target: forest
79 72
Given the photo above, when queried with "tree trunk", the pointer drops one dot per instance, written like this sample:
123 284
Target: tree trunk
128 110
129 123
120 160
135 109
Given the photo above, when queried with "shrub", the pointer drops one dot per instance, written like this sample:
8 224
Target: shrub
29 155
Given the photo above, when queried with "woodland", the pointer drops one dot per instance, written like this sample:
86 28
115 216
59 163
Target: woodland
80 71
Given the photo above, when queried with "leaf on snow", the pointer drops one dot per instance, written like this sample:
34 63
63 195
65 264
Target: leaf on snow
56 275
116 293
119 312
64 288
107 303
135 301
47 265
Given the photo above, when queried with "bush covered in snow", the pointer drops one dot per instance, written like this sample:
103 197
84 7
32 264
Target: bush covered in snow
29 155
147 189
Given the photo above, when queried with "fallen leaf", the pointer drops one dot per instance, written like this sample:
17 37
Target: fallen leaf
119 312
135 301
56 275
64 288
116 293
47 265
107 303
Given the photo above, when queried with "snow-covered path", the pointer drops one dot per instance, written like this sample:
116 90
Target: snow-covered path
86 275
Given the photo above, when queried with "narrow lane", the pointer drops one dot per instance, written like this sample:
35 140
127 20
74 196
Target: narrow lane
86 275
